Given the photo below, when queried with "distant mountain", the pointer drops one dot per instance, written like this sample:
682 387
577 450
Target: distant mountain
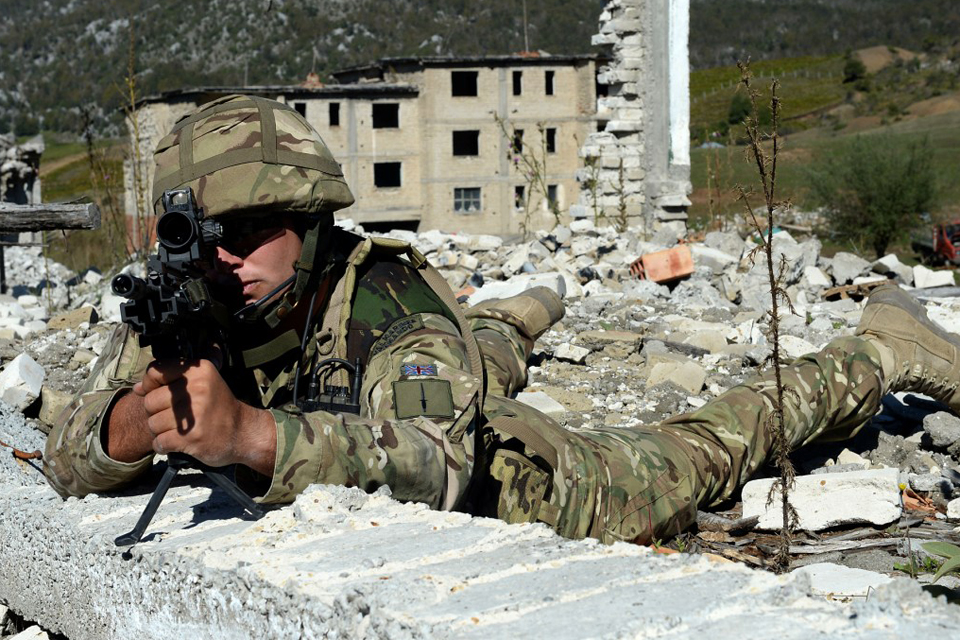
58 56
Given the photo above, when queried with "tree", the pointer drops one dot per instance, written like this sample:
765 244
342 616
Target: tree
853 70
874 187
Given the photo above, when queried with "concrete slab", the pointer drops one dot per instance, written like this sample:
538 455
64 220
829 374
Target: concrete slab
340 562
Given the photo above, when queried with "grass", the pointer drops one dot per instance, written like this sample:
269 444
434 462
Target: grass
808 84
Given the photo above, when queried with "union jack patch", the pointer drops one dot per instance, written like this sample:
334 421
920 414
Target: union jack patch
419 370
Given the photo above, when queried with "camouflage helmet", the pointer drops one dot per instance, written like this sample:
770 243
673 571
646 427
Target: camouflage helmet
249 155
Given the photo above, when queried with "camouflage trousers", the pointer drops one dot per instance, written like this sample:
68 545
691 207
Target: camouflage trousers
646 483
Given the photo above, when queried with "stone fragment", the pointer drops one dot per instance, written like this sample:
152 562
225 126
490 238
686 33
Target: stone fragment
83 356
21 381
841 583
953 510
925 481
794 347
829 500
33 632
543 403
712 341
715 259
815 278
605 337
943 429
52 403
688 375
728 242
890 264
847 266
73 318
571 353
924 278
518 284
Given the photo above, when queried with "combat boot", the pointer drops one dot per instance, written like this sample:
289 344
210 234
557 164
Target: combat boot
916 354
532 312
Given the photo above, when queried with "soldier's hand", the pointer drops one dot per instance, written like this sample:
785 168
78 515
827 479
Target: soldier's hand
192 410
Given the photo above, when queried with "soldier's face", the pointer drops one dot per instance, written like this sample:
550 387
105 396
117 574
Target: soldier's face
258 262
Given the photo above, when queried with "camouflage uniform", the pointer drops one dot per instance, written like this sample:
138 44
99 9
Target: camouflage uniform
635 484
436 424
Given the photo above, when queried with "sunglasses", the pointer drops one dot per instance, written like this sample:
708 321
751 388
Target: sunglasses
243 237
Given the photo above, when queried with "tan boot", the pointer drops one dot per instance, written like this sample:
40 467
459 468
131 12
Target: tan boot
532 312
916 354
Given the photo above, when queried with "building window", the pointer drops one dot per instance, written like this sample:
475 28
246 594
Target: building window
386 115
386 174
551 140
548 82
553 196
466 199
519 197
517 83
464 83
466 143
301 108
334 114
517 141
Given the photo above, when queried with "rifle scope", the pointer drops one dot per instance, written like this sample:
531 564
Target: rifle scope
128 286
177 230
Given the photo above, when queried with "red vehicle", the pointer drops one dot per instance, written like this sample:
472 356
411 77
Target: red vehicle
942 246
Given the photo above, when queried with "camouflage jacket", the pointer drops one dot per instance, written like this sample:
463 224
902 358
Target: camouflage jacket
420 397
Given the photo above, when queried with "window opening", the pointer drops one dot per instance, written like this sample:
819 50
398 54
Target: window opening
517 83
551 140
463 83
548 82
519 200
386 174
518 140
301 108
334 114
386 115
466 143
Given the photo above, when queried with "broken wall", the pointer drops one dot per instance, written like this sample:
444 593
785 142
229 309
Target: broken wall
638 162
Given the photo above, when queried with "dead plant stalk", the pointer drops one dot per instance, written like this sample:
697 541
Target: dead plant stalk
766 164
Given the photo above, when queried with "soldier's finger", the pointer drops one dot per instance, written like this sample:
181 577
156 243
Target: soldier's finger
158 400
167 442
160 373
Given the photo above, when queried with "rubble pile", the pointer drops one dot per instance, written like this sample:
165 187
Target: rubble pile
630 351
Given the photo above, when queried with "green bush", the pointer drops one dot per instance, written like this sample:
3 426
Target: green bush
853 70
873 188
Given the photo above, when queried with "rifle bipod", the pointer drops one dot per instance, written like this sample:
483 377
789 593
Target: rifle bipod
176 462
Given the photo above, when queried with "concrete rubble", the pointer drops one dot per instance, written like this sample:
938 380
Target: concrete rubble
338 562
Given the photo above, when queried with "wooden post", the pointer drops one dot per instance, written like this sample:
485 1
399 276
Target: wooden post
15 218
47 216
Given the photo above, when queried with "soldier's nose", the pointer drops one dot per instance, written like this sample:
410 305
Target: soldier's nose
226 260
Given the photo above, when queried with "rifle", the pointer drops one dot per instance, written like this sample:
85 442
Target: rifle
174 314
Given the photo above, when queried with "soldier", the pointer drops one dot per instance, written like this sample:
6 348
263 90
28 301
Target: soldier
435 421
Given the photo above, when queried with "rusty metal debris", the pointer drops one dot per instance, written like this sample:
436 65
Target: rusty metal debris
23 455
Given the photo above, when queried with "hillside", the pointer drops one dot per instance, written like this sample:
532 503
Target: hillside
60 56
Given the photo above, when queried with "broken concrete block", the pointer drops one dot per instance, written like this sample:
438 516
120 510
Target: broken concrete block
688 375
31 633
943 429
924 278
713 341
52 404
728 242
953 510
829 500
21 381
847 266
890 264
715 259
815 278
543 403
571 353
518 284
606 337
794 347
835 581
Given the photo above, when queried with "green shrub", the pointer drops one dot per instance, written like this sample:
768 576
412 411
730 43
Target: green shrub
873 188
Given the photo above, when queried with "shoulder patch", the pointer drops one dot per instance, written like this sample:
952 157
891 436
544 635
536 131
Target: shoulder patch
394 332
430 398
